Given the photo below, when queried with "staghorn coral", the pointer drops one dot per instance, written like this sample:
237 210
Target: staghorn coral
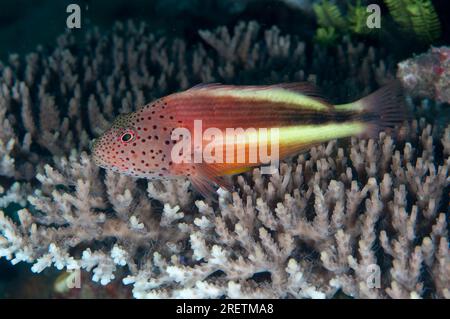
319 225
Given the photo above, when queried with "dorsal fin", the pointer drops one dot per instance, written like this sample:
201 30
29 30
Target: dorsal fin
207 86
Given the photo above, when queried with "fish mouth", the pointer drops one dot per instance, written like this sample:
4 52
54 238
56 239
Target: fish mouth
92 144
96 157
98 161
102 164
106 167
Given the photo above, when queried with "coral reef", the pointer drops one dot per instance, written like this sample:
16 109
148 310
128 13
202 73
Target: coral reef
428 74
368 217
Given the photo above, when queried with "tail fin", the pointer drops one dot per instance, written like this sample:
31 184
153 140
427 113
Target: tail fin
381 110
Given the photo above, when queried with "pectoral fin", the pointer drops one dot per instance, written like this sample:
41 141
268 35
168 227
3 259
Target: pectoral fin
205 179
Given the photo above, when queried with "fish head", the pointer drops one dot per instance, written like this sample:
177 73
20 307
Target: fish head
119 148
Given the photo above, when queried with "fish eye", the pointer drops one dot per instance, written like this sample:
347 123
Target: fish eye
127 136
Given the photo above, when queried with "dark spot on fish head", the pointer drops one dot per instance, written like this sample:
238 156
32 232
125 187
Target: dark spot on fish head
137 144
113 149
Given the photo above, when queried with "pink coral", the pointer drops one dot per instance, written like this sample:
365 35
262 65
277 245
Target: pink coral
428 74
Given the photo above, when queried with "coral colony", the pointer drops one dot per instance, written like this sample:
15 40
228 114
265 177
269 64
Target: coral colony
366 217
427 75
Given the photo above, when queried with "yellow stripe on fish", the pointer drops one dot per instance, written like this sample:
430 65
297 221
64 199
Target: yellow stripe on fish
303 134
274 95
306 134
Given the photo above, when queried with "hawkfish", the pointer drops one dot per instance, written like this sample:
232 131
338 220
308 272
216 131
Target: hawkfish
233 121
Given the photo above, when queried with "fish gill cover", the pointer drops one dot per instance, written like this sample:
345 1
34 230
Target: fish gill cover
365 218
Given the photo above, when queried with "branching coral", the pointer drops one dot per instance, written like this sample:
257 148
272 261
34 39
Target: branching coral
334 218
